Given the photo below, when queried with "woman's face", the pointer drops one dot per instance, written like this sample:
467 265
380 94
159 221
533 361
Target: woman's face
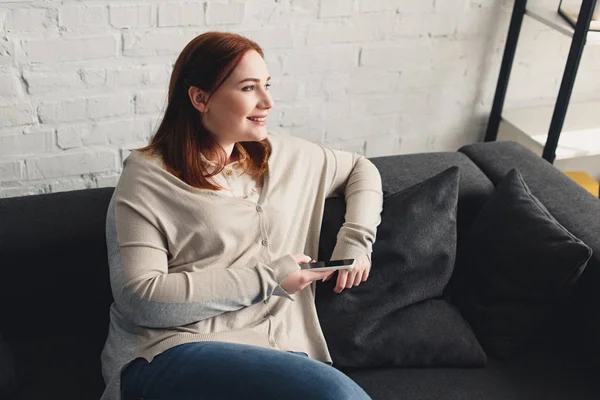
237 111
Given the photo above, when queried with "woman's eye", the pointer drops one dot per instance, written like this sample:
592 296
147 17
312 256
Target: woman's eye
250 88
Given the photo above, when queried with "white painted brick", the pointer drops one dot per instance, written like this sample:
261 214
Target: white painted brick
157 74
21 191
107 181
155 43
7 51
69 137
28 143
181 14
11 170
415 143
29 19
126 76
368 81
3 15
380 5
337 108
274 63
352 128
51 80
83 18
224 13
112 105
119 133
285 89
418 7
427 25
271 38
298 115
318 60
62 110
9 85
93 76
130 15
379 146
369 28
150 102
357 146
71 49
268 13
15 115
403 54
71 163
70 185
90 136
336 8
315 134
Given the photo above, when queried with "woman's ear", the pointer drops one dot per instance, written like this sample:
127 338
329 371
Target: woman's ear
198 98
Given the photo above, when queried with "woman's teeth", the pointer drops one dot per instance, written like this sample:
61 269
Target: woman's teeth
261 119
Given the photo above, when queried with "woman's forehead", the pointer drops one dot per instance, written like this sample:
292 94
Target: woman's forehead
251 65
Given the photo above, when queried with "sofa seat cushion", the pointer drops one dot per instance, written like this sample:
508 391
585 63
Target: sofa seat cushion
533 375
49 365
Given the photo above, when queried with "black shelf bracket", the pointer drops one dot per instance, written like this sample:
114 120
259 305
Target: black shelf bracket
510 49
568 81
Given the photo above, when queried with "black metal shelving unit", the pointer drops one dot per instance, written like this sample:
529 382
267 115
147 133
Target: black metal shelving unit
568 80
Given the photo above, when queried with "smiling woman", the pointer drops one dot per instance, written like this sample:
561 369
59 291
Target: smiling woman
206 231
218 96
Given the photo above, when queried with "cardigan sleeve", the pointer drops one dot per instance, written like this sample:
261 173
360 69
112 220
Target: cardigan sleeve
359 181
150 296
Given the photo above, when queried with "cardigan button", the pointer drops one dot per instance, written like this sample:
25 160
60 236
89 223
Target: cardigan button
264 242
259 208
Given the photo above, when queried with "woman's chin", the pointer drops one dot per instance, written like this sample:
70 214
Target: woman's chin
258 134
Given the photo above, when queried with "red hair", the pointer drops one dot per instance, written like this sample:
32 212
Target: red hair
205 62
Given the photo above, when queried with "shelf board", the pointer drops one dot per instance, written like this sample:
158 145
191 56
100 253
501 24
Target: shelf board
580 136
551 18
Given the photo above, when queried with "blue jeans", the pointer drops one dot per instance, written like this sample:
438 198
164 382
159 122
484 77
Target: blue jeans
217 370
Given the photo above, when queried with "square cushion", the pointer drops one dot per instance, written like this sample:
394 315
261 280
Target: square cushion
394 317
519 263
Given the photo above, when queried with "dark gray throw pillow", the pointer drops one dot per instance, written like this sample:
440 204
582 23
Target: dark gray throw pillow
394 318
519 263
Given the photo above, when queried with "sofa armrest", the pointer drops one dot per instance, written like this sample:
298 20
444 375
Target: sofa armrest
575 208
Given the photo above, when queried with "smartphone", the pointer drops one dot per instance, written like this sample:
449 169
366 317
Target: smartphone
332 265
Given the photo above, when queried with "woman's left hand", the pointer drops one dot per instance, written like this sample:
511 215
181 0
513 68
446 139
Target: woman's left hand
347 279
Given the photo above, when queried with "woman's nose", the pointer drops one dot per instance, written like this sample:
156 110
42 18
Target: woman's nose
267 101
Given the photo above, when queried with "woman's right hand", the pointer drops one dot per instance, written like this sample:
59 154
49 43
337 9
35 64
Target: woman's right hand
301 279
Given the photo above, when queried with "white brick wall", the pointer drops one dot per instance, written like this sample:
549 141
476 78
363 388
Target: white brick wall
84 82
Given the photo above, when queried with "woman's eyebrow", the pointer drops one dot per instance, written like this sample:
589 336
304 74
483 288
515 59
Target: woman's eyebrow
252 80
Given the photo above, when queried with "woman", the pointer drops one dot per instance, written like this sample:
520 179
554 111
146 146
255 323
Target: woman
206 233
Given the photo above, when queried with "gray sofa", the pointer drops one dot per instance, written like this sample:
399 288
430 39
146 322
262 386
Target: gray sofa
54 272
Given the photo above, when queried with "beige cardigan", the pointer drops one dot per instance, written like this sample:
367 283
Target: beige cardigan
189 265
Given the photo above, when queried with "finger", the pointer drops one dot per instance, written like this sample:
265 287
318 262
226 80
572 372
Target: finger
365 275
350 280
328 277
358 278
341 281
306 259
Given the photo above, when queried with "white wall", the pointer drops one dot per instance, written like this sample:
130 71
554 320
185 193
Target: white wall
82 82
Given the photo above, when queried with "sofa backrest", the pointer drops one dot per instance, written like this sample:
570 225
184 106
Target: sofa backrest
54 291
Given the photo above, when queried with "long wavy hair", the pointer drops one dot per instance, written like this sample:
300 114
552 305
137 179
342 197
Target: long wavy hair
205 62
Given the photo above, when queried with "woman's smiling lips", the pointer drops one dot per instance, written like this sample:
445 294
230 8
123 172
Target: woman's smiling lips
258 120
